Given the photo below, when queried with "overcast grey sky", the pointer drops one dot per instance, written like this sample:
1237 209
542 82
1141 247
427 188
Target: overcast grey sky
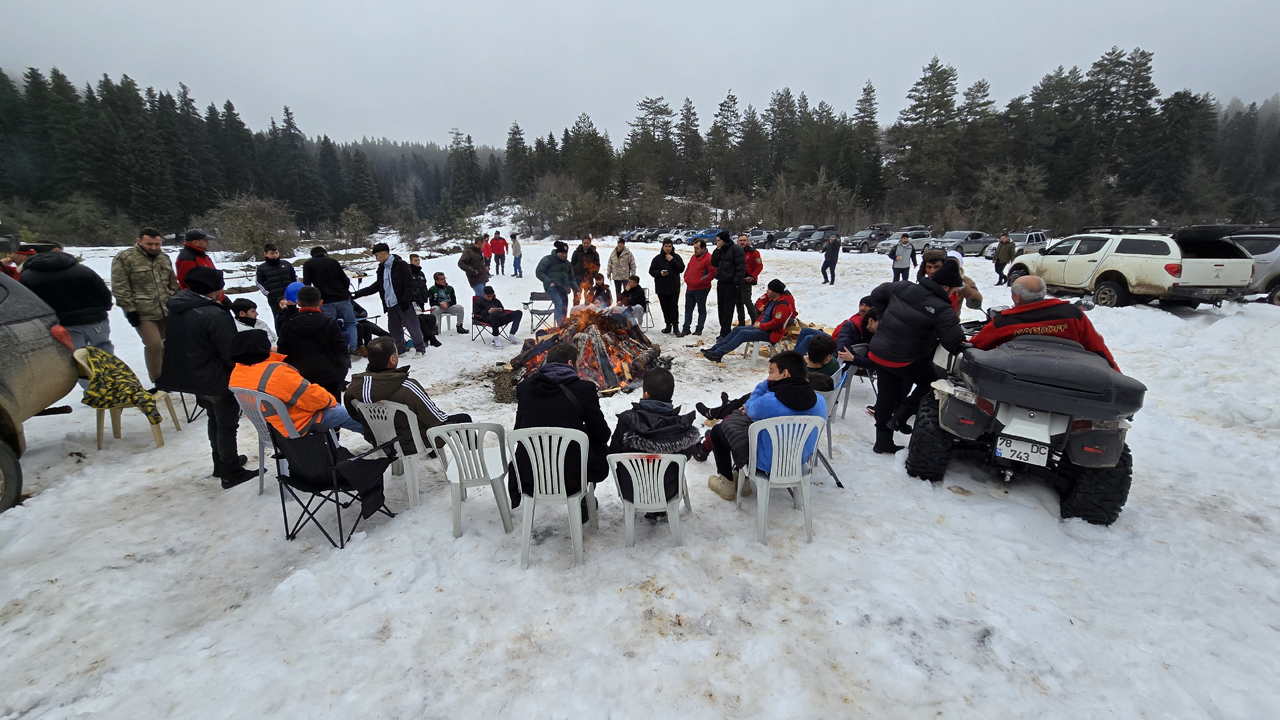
412 70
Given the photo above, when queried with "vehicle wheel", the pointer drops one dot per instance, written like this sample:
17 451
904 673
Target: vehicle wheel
1110 293
866 248
1096 495
10 477
931 447
1274 297
1016 273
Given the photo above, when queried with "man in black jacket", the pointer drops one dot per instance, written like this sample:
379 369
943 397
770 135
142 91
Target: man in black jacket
730 265
312 343
76 293
327 275
394 284
914 317
655 426
197 360
555 396
830 256
489 309
273 277
586 263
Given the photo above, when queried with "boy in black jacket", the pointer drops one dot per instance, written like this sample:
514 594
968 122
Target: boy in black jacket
655 426
312 343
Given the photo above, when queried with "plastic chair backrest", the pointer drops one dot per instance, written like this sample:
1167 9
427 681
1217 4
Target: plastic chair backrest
830 397
465 441
648 473
547 449
380 417
788 435
252 402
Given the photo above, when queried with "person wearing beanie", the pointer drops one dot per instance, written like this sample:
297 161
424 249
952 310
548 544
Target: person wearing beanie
289 305
914 317
326 275
310 406
76 293
197 361
12 266
273 276
776 309
556 273
194 253
143 281
729 267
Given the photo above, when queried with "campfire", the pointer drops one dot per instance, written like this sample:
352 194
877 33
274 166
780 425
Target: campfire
612 353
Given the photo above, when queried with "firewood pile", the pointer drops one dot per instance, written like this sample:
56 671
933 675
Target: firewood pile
612 353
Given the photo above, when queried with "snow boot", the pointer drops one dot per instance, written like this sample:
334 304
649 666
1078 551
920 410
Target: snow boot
236 476
723 486
217 464
884 443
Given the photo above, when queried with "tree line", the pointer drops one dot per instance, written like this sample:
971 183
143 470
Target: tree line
1101 145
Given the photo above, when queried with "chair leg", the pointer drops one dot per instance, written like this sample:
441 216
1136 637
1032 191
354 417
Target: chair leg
737 491
629 518
411 480
115 422
102 419
684 489
500 494
527 540
173 414
262 466
575 529
762 508
593 507
455 491
808 510
158 435
673 519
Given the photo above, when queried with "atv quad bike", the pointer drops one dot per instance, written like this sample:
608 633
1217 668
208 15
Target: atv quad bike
1036 405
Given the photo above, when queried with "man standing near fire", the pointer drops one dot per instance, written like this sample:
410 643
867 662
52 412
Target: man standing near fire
586 263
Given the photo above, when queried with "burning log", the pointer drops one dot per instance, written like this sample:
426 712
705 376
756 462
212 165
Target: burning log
611 352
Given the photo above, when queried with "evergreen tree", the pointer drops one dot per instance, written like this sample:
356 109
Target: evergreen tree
753 152
364 188
923 141
293 173
783 122
588 156
722 142
464 172
332 179
978 136
689 145
14 164
237 154
519 163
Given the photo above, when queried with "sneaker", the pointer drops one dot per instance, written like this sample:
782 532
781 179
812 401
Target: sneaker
515 340
722 486
237 476
436 343
497 341
420 354
462 330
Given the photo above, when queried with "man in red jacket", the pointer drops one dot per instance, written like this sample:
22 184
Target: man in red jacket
698 275
776 308
1034 314
498 249
194 253
755 266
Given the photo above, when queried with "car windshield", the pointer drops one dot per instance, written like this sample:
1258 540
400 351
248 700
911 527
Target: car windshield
1018 237
862 233
956 235
795 234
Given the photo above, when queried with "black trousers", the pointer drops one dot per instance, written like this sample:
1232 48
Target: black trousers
746 303
897 400
722 451
1000 277
670 309
901 273
224 417
726 301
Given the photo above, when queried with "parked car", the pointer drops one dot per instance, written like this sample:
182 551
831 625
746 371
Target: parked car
866 240
1029 241
1264 245
791 241
36 370
763 239
706 234
1124 265
920 237
965 242
819 238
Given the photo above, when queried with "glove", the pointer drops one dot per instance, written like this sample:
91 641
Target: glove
133 317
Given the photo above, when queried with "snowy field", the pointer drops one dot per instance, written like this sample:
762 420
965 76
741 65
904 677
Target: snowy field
134 587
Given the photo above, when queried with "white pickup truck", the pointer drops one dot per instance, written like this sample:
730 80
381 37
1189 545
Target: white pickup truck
1122 266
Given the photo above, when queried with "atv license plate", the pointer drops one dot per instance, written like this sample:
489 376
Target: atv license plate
1022 451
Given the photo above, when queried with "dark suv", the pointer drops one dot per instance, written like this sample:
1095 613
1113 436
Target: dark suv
819 238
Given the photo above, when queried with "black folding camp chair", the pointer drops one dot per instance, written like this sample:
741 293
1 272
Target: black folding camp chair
318 468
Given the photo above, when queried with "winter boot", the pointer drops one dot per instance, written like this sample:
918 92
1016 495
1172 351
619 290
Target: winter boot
461 330
722 486
217 464
235 476
884 443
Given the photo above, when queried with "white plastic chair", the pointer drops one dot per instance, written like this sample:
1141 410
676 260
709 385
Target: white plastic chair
753 346
547 449
831 397
380 418
648 489
788 435
251 404
474 465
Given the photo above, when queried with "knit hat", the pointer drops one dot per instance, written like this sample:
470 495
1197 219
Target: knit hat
25 250
291 292
204 280
561 247
948 275
724 235
777 286
250 347
957 256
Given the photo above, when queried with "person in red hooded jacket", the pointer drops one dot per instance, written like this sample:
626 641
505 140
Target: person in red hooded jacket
777 307
755 266
698 275
194 253
498 251
1034 314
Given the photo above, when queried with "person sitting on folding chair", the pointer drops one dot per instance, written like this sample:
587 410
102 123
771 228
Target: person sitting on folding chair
384 379
487 310
310 405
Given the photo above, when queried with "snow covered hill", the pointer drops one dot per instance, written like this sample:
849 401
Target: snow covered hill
135 587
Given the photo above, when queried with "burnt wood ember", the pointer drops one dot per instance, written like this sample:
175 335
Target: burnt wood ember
611 352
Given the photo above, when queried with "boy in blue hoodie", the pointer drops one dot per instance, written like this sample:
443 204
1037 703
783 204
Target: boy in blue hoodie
785 392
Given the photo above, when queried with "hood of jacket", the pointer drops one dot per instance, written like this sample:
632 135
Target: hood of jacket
308 322
660 419
188 300
547 381
50 262
794 393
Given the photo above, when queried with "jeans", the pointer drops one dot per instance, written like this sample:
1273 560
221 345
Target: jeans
739 335
559 299
338 417
152 334
438 313
726 300
345 314
619 287
500 264
401 318
478 290
97 335
515 266
806 334
901 273
699 298
829 265
224 417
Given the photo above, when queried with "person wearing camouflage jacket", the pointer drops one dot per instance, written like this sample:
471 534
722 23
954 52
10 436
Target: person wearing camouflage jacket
142 280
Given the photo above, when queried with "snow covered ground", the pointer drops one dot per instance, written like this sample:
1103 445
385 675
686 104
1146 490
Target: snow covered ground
133 586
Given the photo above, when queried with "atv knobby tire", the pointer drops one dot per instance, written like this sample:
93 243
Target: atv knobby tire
931 447
1096 495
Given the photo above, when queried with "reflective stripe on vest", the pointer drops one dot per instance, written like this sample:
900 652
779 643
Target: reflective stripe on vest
270 411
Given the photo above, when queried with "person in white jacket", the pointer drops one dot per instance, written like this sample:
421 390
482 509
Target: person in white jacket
621 266
516 251
246 314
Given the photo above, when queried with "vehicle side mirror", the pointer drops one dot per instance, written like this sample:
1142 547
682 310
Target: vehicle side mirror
1044 250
